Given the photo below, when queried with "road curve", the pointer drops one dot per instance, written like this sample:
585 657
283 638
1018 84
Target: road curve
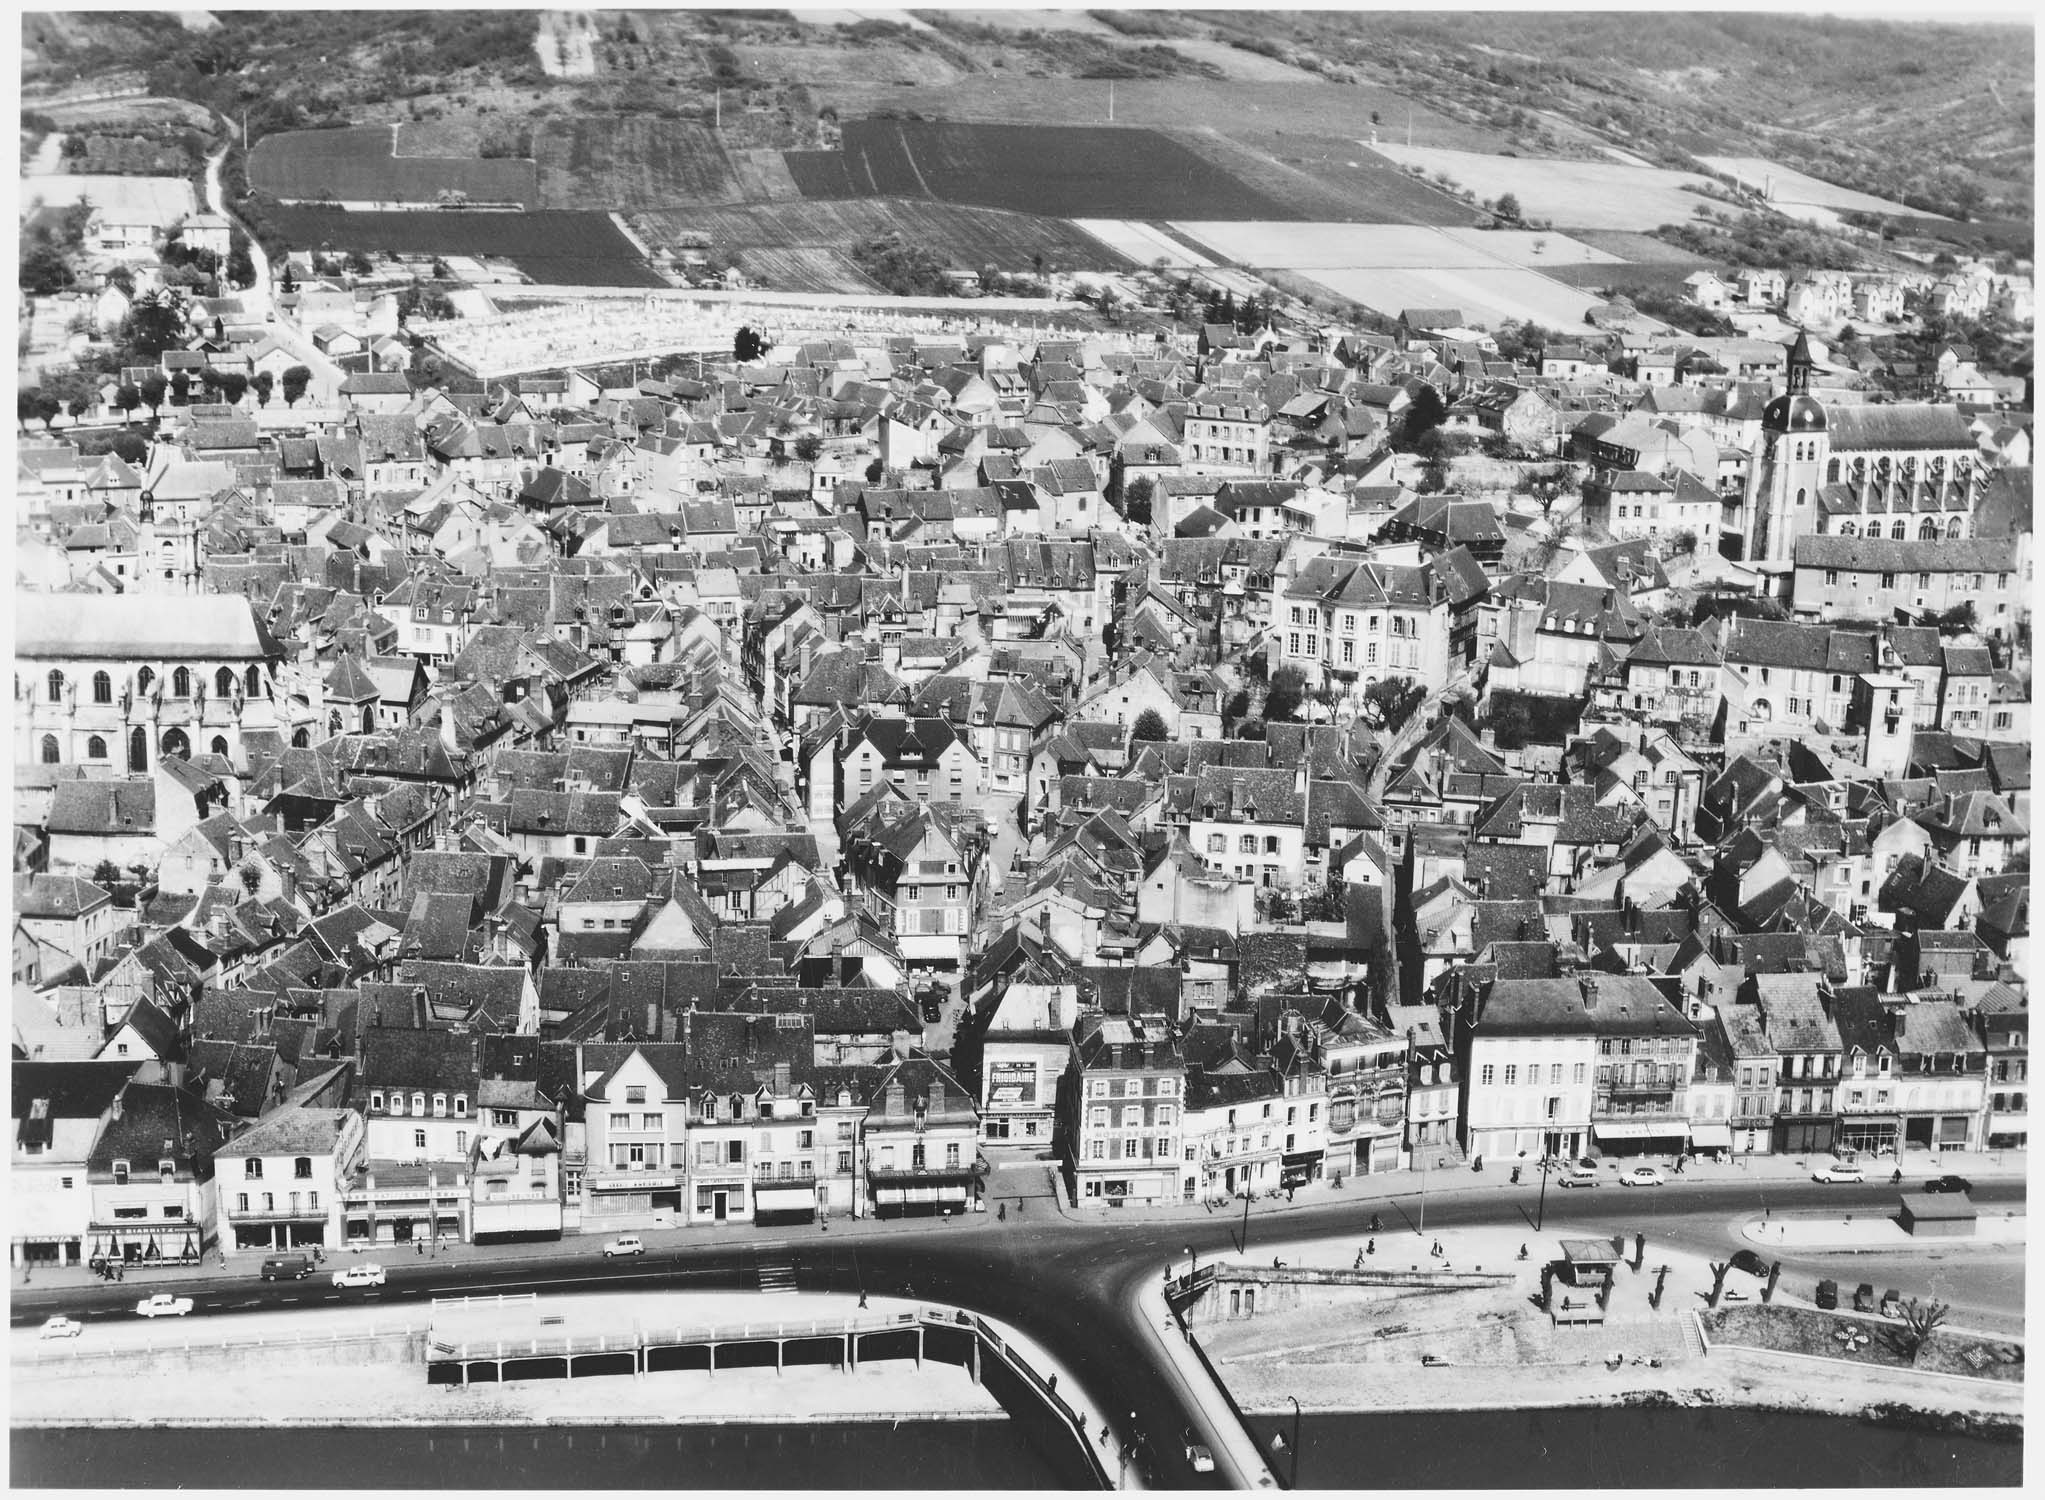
1067 1284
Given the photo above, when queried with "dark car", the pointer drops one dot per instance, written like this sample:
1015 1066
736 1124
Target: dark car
1828 1294
1949 1184
1864 1297
1748 1261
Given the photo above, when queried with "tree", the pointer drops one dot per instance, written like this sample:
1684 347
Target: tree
874 471
1509 208
1391 701
747 346
181 388
129 447
153 388
155 322
1920 1322
1427 412
1150 725
1136 499
233 386
24 405
1282 699
1116 466
106 874
1683 543
1719 1270
45 269
296 379
127 397
262 383
1961 619
809 447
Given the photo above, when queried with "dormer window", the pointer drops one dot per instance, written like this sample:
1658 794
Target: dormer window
461 1106
120 1174
418 1104
166 1169
376 1102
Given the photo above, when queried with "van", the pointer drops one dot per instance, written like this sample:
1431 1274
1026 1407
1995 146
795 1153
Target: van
283 1267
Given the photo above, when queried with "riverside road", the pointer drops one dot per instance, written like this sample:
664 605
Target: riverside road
1067 1281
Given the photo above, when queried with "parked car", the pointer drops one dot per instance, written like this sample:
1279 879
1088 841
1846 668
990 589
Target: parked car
1578 1177
625 1244
61 1327
366 1274
163 1305
1949 1184
1838 1171
1198 1454
1642 1177
1828 1294
1748 1261
1587 1163
1892 1303
1864 1297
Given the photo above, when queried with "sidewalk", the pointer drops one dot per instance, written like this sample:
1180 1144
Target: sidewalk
1866 1233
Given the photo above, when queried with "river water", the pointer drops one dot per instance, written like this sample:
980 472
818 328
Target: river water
1592 1448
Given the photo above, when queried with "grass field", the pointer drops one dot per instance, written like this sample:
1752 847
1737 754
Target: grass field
805 241
1309 247
1083 171
1787 186
630 162
356 166
1490 275
1144 243
553 247
1569 194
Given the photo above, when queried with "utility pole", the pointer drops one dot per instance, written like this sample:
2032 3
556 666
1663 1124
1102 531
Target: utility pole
1111 101
1541 1212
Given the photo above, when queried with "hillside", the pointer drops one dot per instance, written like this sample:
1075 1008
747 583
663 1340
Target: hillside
1940 117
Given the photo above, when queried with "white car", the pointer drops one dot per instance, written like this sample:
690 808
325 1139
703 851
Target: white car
61 1327
625 1244
1578 1177
163 1305
1835 1171
1198 1454
1642 1177
367 1274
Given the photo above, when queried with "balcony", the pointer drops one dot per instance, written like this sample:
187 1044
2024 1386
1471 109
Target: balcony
953 1172
806 1182
307 1214
1636 1088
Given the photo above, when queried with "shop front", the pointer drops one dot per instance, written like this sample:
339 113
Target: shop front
1875 1134
1658 1137
927 1192
1711 1136
146 1244
786 1201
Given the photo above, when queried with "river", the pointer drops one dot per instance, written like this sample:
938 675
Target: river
1589 1448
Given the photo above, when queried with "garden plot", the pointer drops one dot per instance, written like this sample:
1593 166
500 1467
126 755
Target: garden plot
1574 194
1788 188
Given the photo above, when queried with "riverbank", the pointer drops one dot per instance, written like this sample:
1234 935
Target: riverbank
1360 1350
361 1366
397 1395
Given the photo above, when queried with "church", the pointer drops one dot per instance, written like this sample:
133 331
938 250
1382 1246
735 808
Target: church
1903 473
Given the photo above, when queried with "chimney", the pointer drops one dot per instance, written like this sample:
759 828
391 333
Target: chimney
935 1103
1590 993
781 1081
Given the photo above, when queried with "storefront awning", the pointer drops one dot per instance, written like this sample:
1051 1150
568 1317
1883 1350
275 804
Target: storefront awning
784 1200
1710 1136
1610 1132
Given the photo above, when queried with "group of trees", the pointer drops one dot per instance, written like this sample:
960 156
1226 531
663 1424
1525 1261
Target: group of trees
50 246
903 269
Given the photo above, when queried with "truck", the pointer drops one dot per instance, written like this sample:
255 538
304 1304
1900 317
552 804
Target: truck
163 1305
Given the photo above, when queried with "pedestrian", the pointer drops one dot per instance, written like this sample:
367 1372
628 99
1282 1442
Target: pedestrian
1358 1266
419 1246
862 1299
1523 1252
1371 1248
1001 1214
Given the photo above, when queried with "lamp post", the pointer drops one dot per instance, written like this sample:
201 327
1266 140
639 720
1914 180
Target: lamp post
1278 1444
1423 1197
1541 1210
1195 1270
1243 1248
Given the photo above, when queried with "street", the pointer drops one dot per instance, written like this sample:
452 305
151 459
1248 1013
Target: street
1066 1283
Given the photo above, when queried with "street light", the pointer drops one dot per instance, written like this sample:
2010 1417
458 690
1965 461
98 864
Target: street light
1195 1254
1541 1211
1278 1444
